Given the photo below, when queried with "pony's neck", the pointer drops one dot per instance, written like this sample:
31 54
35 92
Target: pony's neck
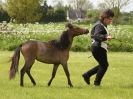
66 40
70 42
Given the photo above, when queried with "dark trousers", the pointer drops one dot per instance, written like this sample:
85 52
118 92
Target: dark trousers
100 55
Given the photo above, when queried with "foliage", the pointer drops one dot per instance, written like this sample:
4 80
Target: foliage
116 5
117 13
123 38
81 43
58 15
93 15
80 4
20 33
119 18
53 14
44 10
126 18
24 11
4 15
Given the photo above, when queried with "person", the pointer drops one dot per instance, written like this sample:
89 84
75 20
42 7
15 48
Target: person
100 36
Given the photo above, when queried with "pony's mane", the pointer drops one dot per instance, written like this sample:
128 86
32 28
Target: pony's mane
63 42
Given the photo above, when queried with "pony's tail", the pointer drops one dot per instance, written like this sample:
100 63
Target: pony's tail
15 62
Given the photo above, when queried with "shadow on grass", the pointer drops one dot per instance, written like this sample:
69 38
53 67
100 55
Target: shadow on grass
63 87
53 86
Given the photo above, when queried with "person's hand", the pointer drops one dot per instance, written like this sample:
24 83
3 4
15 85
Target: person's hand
109 37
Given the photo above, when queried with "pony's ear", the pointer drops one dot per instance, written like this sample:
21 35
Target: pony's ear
69 25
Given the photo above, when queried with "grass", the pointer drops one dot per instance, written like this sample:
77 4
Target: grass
117 83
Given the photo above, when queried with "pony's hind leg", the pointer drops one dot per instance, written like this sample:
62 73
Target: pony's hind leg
30 76
65 67
22 72
26 69
55 67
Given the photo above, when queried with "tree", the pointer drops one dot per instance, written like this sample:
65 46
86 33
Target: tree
24 11
44 9
58 3
93 15
3 14
116 3
102 6
80 6
116 6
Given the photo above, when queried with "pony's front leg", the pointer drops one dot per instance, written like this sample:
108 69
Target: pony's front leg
55 67
65 67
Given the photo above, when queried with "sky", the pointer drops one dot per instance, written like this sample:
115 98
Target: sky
128 8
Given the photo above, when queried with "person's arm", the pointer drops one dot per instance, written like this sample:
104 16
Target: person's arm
100 33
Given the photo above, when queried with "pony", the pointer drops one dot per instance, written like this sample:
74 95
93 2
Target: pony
54 52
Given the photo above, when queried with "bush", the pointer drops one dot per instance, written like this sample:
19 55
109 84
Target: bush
4 16
58 15
81 43
9 41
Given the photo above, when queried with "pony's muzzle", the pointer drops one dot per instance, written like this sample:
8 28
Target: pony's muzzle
86 31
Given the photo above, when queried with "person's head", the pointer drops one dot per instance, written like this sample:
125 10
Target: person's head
107 16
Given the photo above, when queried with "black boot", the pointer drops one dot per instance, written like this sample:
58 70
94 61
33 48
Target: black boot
97 83
86 79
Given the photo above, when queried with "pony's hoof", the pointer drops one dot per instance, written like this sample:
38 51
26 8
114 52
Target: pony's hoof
71 86
21 85
49 84
34 83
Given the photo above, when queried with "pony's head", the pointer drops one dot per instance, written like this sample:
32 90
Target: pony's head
75 30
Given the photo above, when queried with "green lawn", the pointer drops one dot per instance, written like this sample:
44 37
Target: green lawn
117 83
